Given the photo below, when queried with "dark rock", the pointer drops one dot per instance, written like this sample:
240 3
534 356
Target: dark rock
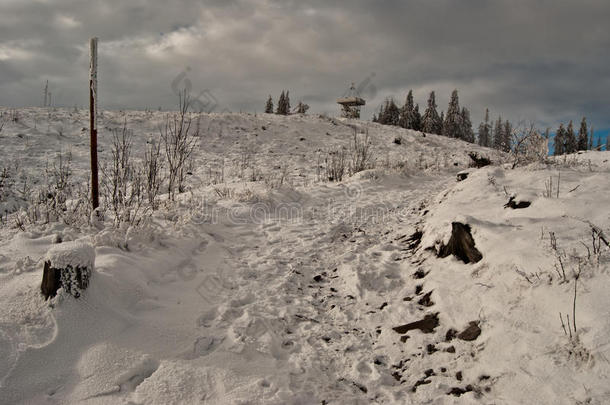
462 176
471 332
516 204
425 300
461 244
457 391
318 278
419 274
420 382
451 333
426 325
431 348
479 161
450 349
414 240
458 376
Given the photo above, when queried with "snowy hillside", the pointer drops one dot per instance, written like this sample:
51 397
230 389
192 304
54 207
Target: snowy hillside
265 283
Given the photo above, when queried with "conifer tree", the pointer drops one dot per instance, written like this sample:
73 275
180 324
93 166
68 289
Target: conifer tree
431 123
281 102
416 118
302 108
571 143
507 134
269 105
485 130
582 141
287 103
498 136
407 112
452 125
591 137
560 140
382 118
392 113
466 130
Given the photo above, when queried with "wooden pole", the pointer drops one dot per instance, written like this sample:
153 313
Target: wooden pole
95 199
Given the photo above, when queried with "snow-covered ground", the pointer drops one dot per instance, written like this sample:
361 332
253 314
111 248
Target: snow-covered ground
265 284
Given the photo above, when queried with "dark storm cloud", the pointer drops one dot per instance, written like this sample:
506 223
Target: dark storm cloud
532 60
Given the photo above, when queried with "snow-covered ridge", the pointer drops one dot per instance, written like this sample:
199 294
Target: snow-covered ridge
193 307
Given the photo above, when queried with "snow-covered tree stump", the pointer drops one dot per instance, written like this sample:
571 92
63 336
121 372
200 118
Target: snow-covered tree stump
67 265
461 244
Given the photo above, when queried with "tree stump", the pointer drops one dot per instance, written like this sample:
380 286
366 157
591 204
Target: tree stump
68 265
461 244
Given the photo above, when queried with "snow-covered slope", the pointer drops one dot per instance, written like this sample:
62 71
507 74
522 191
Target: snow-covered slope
295 293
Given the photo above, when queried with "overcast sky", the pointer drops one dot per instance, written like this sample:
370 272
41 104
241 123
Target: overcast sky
547 61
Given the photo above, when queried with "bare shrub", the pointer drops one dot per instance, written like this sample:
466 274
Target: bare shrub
277 177
361 154
152 167
335 164
528 145
179 140
124 182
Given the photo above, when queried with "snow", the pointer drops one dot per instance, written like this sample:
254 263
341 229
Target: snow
74 254
245 291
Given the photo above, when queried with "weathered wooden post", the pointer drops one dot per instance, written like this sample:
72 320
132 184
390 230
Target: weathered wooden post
95 199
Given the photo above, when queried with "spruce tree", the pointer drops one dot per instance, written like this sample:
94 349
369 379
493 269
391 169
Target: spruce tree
431 123
392 113
570 141
466 130
281 102
498 136
407 112
302 108
287 103
583 142
507 134
269 106
560 141
485 130
452 125
416 118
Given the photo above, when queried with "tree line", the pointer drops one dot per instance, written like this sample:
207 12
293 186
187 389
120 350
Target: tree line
456 123
567 141
283 105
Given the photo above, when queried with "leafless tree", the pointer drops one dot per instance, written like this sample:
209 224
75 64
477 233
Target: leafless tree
123 180
528 145
179 138
152 167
